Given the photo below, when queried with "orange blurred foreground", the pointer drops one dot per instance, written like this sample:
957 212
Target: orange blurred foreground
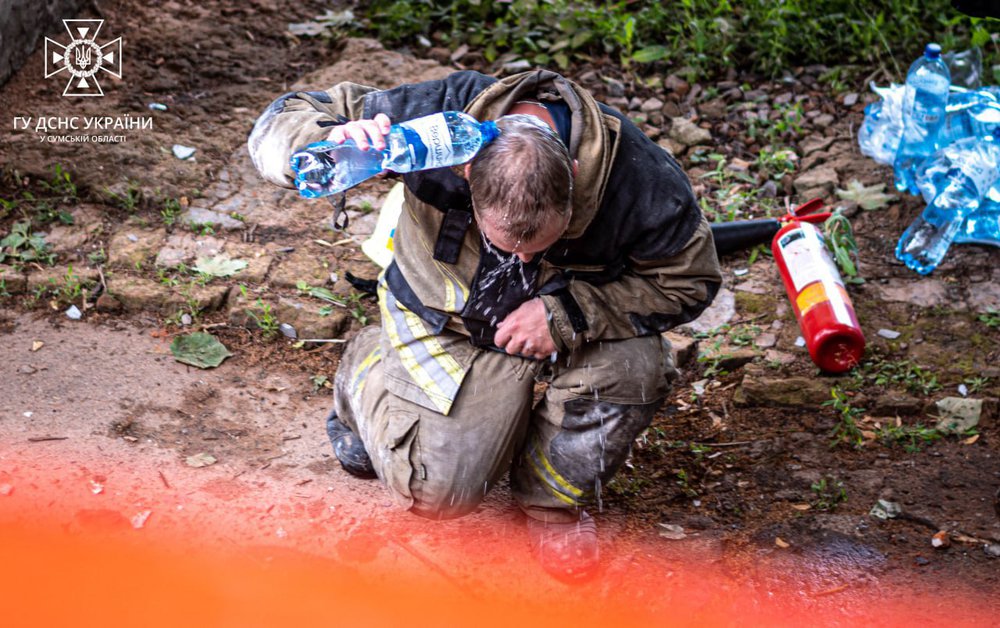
76 553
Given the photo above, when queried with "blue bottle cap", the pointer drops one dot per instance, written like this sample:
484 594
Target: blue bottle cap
489 131
933 50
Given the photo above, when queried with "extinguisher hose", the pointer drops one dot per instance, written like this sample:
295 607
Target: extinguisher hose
739 235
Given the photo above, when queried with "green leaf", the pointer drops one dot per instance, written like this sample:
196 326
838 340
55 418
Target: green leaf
980 37
580 39
867 198
561 59
219 266
650 54
199 349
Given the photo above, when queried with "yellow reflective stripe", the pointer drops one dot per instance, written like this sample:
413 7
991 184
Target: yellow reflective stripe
358 380
451 302
438 397
568 493
434 348
548 484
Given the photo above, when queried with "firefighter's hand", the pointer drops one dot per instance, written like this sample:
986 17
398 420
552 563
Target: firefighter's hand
525 331
365 133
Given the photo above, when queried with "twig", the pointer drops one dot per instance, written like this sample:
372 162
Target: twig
163 478
831 591
320 340
42 439
435 568
738 443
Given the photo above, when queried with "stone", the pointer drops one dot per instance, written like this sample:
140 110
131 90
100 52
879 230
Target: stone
131 247
140 294
676 84
850 99
217 219
676 149
683 348
715 108
186 248
305 317
925 292
823 121
12 281
761 387
721 311
893 404
773 356
616 89
651 105
766 340
56 277
815 143
108 303
258 259
688 133
821 178
301 264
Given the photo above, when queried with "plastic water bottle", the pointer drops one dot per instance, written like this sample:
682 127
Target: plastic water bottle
982 226
435 141
974 167
879 134
980 119
923 114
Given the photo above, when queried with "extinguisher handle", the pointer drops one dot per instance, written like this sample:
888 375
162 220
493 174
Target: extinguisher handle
808 212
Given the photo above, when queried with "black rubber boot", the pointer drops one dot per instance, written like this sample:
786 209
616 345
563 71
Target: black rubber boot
348 448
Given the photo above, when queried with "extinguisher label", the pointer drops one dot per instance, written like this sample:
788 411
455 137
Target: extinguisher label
806 258
816 293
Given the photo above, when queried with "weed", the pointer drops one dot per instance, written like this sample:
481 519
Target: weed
840 241
23 246
70 289
3 289
707 37
846 430
320 381
264 318
829 493
911 437
976 384
46 206
170 211
129 199
684 481
990 318
202 228
903 373
774 163
97 257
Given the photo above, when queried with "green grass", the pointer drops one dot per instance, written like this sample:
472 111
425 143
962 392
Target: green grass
707 37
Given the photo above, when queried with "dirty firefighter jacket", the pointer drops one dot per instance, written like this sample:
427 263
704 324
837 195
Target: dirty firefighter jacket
636 259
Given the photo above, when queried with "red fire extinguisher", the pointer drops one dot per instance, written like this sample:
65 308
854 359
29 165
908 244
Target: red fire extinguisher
814 286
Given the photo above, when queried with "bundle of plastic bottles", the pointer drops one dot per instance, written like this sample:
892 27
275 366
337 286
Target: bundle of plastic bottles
942 137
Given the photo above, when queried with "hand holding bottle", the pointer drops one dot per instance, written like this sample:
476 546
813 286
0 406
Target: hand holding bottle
364 133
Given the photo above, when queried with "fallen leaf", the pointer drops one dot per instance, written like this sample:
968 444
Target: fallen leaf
781 543
867 197
971 439
941 540
801 506
199 349
200 460
869 435
219 266
36 345
672 531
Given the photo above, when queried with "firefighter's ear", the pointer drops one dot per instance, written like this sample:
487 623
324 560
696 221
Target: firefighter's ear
467 169
576 167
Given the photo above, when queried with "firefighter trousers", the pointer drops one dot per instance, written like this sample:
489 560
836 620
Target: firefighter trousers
560 449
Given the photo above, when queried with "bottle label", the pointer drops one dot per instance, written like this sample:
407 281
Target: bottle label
982 175
433 132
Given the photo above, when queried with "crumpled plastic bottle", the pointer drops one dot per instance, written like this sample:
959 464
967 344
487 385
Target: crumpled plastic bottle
924 104
961 177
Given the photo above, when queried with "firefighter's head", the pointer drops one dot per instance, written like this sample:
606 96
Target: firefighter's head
522 187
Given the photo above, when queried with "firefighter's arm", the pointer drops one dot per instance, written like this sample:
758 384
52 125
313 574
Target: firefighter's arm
650 297
297 119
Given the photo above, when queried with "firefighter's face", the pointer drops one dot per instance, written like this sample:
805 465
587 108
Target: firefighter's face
525 250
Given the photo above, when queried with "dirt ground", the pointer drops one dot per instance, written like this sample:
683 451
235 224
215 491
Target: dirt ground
98 421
